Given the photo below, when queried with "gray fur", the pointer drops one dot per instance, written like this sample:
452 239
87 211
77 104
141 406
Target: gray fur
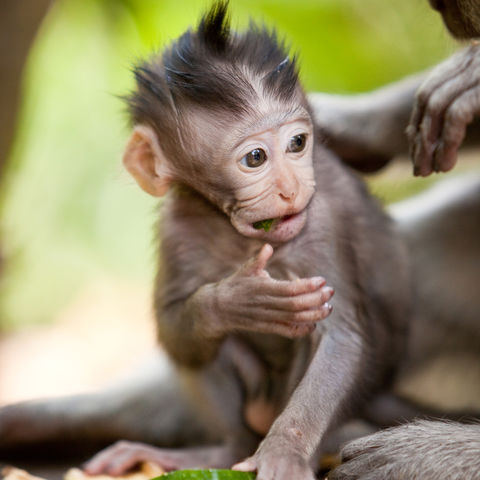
420 450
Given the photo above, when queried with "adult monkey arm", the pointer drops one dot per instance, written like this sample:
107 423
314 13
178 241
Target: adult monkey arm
367 130
435 108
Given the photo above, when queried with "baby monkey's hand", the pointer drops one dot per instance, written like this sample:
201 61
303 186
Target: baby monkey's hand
251 300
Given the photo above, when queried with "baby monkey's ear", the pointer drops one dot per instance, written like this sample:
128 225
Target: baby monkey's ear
145 160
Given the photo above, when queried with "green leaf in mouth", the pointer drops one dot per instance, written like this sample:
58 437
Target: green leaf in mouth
210 474
265 224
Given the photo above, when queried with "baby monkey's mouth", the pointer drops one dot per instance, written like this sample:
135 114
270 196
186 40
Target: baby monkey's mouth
266 224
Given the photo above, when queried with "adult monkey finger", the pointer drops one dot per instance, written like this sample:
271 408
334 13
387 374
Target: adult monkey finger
456 120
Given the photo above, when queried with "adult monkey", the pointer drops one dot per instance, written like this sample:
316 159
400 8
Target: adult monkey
368 131
223 125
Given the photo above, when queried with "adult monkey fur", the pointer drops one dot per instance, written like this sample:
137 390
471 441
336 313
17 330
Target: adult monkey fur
223 125
368 131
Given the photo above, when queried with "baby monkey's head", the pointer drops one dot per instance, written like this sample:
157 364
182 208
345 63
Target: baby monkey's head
224 114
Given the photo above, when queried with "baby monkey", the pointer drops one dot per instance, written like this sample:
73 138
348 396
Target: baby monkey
257 214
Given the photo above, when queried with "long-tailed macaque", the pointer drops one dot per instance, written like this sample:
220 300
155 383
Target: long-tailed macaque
257 216
437 110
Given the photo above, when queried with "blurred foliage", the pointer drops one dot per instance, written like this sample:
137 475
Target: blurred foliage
70 212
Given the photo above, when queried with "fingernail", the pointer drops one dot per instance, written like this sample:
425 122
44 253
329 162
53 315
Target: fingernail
267 248
318 281
329 291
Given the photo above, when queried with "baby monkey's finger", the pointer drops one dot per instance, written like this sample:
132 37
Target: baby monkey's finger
300 317
290 288
257 264
296 303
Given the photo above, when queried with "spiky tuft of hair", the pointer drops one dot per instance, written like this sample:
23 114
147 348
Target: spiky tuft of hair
215 69
214 28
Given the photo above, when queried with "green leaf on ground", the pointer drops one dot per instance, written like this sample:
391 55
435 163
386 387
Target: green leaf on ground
210 474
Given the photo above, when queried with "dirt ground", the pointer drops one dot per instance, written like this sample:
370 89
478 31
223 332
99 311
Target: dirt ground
104 331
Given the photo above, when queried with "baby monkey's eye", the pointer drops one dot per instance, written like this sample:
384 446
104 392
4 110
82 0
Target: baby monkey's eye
254 159
297 143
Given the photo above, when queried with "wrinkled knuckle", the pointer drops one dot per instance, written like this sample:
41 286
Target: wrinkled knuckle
424 128
295 304
293 289
297 317
411 132
315 308
458 114
434 106
422 95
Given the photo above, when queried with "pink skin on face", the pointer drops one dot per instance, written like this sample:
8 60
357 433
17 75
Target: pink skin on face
280 187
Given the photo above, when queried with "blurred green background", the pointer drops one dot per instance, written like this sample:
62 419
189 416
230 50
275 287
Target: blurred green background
70 213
